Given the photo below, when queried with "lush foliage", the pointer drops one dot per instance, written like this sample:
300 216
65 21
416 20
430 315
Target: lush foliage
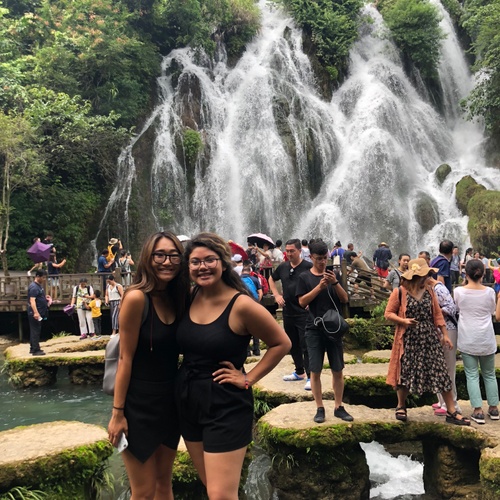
414 26
192 144
201 22
75 76
332 26
481 19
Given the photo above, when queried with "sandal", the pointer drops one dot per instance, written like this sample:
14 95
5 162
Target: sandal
401 414
451 418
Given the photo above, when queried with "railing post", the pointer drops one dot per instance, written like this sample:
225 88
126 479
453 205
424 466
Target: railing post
343 281
20 325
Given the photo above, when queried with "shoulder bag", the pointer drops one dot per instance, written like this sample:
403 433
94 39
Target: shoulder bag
332 324
112 355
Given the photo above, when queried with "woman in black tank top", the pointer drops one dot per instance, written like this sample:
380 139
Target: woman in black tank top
144 399
214 396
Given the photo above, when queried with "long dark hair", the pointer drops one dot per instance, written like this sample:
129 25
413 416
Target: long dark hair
218 245
146 280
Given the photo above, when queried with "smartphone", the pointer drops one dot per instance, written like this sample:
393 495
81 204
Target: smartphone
122 443
329 268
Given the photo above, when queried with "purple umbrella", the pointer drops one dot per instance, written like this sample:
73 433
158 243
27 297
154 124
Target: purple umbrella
260 239
39 252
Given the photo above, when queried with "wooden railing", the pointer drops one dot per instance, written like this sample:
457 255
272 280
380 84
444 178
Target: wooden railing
363 286
14 289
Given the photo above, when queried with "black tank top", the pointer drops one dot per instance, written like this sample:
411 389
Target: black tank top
157 355
205 346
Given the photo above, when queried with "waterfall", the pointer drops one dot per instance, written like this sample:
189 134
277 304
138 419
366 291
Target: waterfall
280 159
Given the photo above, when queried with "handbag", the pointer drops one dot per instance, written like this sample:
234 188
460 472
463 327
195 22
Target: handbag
332 324
69 309
112 354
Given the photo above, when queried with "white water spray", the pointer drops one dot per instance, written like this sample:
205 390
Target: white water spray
281 160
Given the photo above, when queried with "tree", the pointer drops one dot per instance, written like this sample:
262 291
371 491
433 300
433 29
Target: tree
21 167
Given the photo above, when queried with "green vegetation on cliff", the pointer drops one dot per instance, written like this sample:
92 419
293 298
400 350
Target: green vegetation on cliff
481 20
466 188
332 26
414 26
75 77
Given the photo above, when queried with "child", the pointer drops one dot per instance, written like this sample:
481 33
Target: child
95 309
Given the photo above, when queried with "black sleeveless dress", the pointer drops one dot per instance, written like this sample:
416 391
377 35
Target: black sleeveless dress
150 404
219 415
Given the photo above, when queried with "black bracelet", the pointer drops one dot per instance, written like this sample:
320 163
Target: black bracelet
116 408
336 283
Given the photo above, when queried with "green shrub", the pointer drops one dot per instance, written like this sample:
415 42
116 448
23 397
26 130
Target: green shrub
192 145
414 26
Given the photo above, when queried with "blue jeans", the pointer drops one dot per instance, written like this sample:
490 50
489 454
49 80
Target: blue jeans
471 367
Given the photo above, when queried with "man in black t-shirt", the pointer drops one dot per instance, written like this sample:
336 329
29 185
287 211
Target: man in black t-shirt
38 309
350 254
317 288
294 317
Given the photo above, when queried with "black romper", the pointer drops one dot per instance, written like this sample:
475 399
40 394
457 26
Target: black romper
150 404
219 415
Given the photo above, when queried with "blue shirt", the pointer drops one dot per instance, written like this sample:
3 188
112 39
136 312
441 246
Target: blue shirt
443 265
101 262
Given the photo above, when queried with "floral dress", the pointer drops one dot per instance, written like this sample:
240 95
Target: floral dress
423 368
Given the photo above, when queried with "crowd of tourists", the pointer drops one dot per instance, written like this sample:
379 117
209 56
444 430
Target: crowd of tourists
202 299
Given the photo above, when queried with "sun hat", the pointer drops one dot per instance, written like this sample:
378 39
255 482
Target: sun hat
383 244
237 258
113 241
418 267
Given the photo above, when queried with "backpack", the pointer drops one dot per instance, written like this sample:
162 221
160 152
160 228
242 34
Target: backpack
112 355
111 256
124 267
250 285
263 282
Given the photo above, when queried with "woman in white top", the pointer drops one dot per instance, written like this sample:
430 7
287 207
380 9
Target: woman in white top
476 339
114 294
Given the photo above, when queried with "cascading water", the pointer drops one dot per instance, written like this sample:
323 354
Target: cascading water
280 159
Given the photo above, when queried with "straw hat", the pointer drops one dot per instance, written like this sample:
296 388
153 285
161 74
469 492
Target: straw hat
113 241
418 267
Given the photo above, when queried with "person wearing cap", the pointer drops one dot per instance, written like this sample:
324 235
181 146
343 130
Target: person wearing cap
113 298
237 260
417 362
381 259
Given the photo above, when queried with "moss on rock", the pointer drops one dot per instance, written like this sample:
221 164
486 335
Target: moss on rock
484 223
466 188
442 172
59 458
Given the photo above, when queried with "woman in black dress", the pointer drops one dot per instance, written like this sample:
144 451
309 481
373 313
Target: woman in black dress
214 393
143 405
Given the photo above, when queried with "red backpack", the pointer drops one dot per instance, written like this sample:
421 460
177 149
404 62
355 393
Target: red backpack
263 282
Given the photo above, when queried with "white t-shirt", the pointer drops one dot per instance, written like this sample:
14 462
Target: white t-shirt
475 325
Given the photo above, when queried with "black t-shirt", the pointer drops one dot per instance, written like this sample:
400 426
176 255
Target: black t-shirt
322 302
289 277
37 292
349 255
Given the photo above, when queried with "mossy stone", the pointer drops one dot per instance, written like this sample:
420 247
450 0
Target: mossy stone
442 172
466 188
426 212
484 222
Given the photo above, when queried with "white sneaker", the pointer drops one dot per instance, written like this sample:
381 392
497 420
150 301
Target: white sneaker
307 387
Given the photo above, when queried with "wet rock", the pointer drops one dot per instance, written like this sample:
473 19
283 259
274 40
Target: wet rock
426 212
442 172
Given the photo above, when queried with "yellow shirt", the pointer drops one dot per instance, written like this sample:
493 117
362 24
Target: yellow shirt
95 307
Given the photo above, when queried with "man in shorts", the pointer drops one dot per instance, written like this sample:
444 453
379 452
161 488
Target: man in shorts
316 288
